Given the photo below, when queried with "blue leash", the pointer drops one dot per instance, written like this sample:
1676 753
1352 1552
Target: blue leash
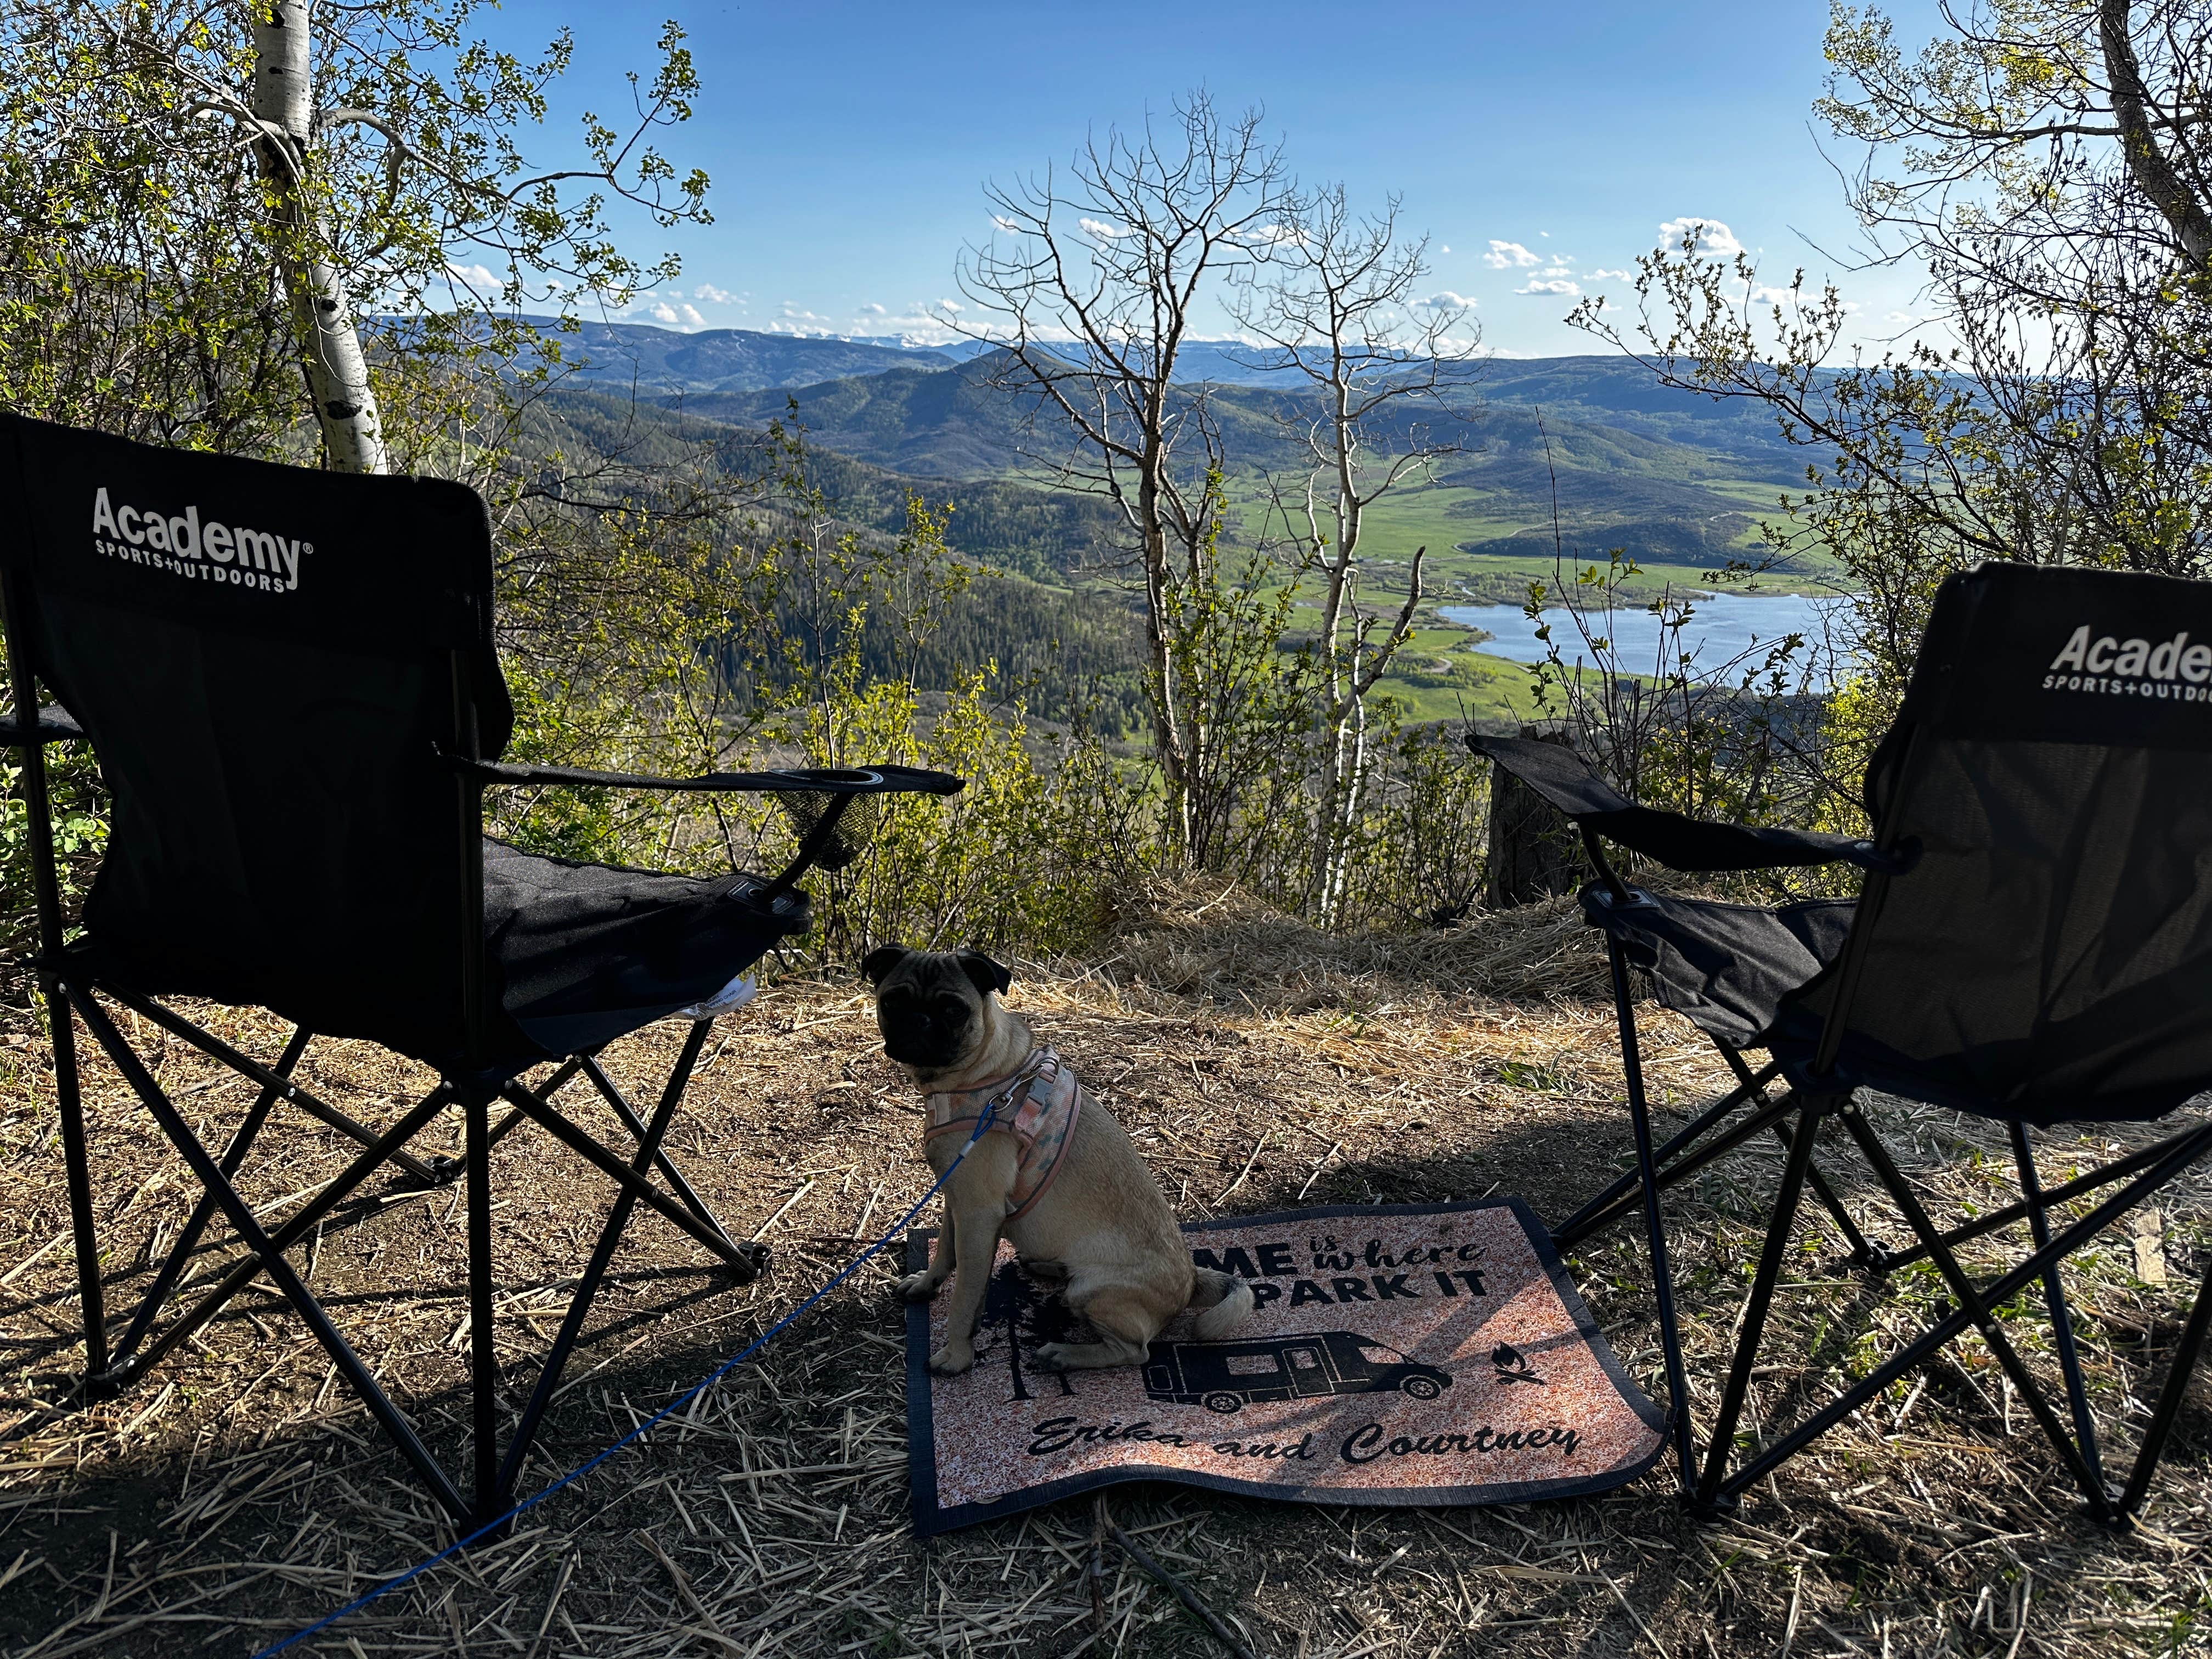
982 1123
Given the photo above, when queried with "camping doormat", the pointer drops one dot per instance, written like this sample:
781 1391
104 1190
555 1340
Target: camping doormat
1398 1354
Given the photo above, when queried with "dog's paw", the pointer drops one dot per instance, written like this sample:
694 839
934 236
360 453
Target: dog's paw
1049 1357
918 1287
952 1359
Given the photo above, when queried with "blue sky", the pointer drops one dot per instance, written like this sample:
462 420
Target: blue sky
849 143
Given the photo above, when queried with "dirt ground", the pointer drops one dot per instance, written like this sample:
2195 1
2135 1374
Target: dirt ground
239 1492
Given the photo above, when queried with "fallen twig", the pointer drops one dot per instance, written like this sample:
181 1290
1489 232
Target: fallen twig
1182 1593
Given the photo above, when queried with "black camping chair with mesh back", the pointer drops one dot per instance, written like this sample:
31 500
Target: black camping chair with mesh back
289 681
2032 943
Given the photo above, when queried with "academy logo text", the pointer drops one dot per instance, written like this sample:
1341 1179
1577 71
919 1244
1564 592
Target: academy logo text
2173 671
184 545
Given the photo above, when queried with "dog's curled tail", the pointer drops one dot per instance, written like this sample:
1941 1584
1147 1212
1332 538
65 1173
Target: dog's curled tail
1227 1300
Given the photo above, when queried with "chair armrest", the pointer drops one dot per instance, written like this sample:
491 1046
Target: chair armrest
56 724
1568 782
817 781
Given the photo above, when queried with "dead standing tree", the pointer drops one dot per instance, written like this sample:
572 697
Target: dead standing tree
1091 293
1338 304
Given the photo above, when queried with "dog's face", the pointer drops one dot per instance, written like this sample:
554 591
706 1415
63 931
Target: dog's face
934 1006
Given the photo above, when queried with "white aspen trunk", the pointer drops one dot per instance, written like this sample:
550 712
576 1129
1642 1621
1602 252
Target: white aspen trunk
2153 170
1167 722
1347 785
330 344
1340 772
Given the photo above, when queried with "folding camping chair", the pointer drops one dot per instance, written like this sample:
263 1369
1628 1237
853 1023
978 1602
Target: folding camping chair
2032 943
288 679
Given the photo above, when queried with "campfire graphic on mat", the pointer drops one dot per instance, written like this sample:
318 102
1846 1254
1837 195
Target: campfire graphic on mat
1222 1376
1513 1365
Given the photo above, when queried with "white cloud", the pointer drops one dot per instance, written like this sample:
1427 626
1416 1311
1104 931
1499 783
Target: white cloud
920 322
475 276
1557 287
691 316
1103 231
1503 255
664 312
1012 227
712 295
1445 299
797 320
1715 240
1556 270
1599 273
1447 248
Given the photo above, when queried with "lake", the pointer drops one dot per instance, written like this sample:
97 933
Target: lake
1721 629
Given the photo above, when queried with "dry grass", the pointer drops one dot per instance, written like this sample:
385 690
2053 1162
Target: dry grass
238 1492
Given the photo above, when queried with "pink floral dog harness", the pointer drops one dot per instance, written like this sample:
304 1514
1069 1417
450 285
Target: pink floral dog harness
1037 1105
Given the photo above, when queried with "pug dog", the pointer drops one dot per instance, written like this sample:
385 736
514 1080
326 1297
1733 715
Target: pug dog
1053 1174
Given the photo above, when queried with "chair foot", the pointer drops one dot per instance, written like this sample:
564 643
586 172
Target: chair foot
501 1530
2112 1513
1717 1509
758 1258
93 1388
446 1170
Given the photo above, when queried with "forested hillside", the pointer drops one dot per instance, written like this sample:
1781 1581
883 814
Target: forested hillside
1013 527
1671 478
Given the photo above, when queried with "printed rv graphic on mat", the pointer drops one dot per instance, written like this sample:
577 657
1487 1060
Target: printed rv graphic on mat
1223 1375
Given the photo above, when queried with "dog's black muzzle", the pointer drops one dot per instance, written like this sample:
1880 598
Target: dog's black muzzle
916 1036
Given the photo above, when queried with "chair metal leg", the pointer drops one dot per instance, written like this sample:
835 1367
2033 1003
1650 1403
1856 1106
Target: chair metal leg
2054 1299
483 1352
1976 1306
78 1167
1680 1169
303 1221
1677 1159
741 1262
623 1109
1671 1339
1864 1253
595 1270
1608 1203
209 1044
2103 1176
1778 1226
2169 1399
514 1118
234 1155
2184 1150
397 1427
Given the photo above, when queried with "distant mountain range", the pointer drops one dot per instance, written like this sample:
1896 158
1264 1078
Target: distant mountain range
1672 478
1669 478
657 362
666 361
